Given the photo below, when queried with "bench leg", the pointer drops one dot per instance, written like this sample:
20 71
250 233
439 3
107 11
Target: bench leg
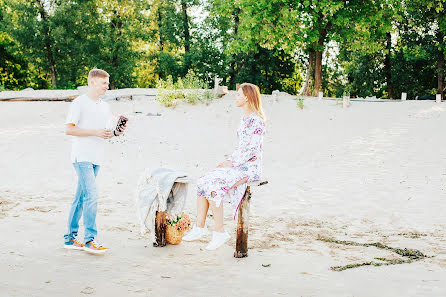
160 229
241 244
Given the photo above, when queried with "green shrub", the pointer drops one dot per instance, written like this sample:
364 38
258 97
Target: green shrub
190 89
300 103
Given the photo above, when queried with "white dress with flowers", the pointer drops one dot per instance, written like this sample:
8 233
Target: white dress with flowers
217 185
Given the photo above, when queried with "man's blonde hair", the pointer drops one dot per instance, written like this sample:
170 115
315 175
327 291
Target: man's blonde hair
97 73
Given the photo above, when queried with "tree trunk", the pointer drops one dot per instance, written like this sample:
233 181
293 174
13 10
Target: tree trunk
309 79
116 24
318 73
387 65
161 39
185 27
160 24
186 36
235 14
49 52
319 52
440 68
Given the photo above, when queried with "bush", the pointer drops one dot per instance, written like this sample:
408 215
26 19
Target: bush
190 89
300 102
166 92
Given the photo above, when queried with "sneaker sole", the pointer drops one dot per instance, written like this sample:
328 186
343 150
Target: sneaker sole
195 239
96 252
213 249
71 247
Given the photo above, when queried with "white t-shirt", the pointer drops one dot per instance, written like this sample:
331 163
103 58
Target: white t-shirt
86 113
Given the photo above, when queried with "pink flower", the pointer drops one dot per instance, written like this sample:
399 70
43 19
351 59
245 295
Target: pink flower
258 131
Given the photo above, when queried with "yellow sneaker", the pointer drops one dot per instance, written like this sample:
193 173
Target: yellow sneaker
94 247
73 244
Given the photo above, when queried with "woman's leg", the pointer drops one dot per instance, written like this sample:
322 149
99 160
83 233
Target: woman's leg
202 211
219 236
217 212
199 230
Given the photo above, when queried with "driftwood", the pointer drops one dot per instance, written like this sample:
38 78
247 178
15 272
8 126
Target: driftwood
69 98
160 229
241 244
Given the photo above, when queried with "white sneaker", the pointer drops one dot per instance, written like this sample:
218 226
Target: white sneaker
218 239
196 233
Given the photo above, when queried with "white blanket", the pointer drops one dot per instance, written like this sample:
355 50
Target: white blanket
158 191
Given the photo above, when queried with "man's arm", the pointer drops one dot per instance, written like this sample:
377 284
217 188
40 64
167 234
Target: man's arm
71 129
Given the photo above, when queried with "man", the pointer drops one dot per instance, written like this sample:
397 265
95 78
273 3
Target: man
87 122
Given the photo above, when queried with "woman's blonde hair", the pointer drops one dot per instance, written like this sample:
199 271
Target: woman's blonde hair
252 92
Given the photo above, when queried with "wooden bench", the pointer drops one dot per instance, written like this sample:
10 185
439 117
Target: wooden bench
241 244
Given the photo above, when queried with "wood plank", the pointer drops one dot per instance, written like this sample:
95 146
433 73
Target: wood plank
190 180
258 183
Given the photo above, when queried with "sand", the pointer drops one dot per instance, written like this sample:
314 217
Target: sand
374 172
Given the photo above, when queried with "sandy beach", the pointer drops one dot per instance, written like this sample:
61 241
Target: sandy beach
374 172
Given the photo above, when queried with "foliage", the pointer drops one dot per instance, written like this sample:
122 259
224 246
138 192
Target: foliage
267 69
290 45
300 103
191 89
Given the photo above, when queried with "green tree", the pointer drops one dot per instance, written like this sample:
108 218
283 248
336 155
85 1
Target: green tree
13 67
428 19
30 24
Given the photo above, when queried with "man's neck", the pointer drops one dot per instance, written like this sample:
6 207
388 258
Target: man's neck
93 95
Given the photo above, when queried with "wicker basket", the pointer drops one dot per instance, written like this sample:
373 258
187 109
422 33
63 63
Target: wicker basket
173 235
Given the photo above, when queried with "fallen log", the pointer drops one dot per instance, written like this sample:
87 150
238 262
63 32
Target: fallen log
68 98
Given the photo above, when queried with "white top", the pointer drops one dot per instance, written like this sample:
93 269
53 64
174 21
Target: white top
86 113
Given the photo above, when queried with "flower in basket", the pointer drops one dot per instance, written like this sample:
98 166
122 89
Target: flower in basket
176 226
179 222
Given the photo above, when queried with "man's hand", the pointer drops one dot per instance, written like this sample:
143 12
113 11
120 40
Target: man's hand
225 164
104 133
122 128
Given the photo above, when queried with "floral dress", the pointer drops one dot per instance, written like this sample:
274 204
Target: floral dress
217 185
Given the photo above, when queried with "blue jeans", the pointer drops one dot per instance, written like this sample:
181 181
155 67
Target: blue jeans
85 202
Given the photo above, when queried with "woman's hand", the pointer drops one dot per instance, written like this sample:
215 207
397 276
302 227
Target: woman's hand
225 164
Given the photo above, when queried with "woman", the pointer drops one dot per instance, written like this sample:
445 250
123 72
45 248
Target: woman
230 178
